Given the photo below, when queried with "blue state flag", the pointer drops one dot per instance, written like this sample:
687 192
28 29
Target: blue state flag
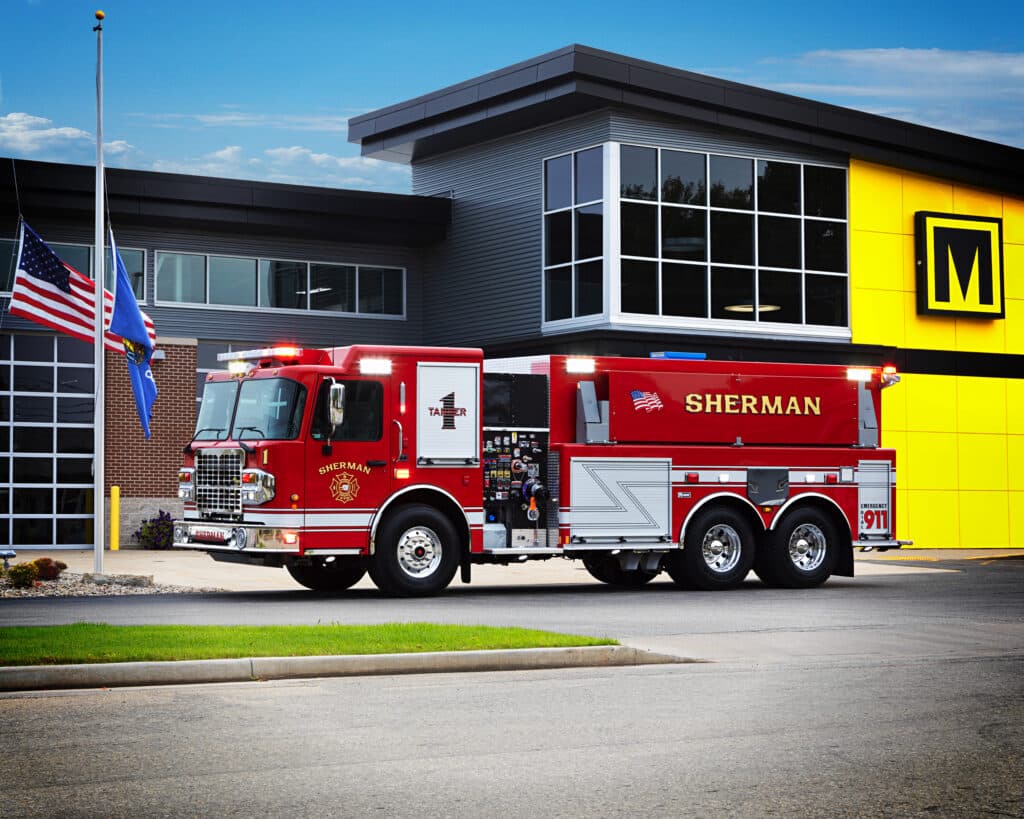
126 321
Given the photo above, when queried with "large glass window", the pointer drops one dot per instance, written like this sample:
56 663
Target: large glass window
294 285
181 277
731 238
574 234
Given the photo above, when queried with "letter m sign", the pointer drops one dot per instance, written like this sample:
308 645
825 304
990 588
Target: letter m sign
959 265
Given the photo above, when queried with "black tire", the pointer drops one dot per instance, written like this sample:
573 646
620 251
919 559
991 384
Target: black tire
609 570
416 552
328 575
718 551
801 552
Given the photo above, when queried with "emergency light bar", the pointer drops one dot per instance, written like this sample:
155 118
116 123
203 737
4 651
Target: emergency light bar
580 365
375 366
257 355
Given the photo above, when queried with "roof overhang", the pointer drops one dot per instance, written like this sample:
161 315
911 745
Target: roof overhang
225 205
578 79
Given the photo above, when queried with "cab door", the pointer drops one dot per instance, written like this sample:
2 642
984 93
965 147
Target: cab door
348 468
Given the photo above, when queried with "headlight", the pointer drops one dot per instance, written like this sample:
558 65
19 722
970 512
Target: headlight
186 484
257 487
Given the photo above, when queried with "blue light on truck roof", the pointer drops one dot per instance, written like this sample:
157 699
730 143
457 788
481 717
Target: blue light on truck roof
679 355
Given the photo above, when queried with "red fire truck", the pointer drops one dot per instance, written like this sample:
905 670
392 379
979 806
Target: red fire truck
412 463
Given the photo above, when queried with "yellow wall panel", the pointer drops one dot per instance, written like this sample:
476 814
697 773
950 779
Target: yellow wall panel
894 412
927 332
981 462
1015 406
979 335
1014 326
980 405
876 198
976 203
1013 269
1016 519
876 260
1014 462
959 441
909 272
1013 222
881 315
934 519
924 193
931 461
931 402
984 520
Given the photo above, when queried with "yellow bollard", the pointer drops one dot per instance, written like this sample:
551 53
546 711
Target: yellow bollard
115 518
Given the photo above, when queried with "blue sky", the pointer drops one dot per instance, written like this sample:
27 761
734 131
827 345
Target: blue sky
263 90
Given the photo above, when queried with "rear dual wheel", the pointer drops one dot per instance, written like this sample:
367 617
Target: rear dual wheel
801 552
718 551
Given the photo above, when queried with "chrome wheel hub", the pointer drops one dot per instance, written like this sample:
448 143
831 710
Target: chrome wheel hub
721 548
807 546
419 552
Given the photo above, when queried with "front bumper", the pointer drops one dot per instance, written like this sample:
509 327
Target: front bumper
234 537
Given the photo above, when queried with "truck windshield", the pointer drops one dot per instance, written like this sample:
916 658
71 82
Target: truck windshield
269 409
215 411
266 409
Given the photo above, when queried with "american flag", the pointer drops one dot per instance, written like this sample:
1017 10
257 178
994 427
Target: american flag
647 401
54 294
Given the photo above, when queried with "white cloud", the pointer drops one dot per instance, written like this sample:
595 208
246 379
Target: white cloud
332 123
117 148
29 135
296 165
980 93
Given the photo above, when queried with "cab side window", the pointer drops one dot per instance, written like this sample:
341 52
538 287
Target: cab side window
364 412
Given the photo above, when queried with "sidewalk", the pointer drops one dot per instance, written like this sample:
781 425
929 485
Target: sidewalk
198 570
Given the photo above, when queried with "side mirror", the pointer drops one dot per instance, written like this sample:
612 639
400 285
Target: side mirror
336 406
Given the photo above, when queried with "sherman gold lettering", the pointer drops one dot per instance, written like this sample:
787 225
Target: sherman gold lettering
343 465
746 404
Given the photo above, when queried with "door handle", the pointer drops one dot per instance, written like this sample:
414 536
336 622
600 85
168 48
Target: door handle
376 463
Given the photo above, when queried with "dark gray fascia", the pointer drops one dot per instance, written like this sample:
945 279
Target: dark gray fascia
577 79
223 205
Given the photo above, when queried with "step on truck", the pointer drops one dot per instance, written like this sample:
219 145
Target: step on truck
415 463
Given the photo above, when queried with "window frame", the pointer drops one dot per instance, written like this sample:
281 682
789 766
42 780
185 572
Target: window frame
708 322
259 307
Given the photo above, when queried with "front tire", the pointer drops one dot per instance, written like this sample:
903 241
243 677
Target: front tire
801 553
416 552
718 551
323 574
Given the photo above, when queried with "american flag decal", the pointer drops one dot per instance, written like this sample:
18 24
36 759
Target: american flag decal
646 401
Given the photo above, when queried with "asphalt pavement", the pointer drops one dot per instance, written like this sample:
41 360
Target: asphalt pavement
198 571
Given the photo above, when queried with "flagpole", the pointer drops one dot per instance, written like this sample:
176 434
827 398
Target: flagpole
99 505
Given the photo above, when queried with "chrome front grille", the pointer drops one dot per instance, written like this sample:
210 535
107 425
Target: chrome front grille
219 481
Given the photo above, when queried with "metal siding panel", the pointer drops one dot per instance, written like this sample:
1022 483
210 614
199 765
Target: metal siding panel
484 284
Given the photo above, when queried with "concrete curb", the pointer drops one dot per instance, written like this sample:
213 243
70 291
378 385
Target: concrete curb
110 675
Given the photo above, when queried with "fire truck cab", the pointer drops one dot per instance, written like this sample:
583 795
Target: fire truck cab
413 463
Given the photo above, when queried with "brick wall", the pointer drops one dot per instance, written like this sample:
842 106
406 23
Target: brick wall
147 470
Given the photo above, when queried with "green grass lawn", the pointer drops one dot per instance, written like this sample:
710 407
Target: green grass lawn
101 643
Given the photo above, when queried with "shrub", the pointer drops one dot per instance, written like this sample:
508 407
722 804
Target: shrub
48 568
23 575
156 533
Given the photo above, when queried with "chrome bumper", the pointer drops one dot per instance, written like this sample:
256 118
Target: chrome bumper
232 537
